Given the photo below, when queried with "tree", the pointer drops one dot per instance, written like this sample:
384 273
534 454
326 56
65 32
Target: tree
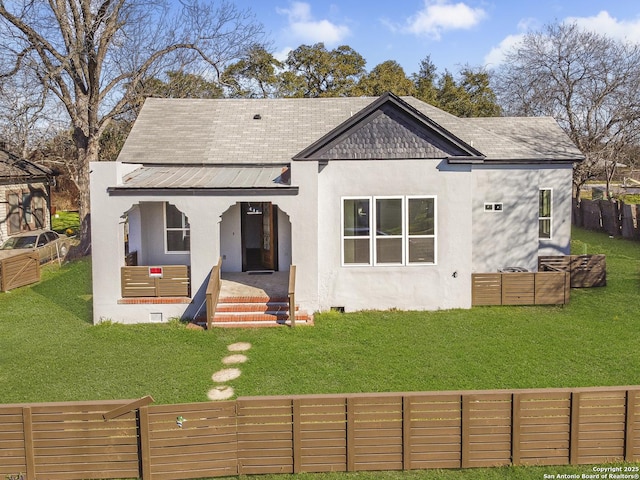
314 71
480 99
388 76
425 81
93 54
26 114
588 82
468 96
255 75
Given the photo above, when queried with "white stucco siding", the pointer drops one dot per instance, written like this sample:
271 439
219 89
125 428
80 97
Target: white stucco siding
209 240
421 287
559 180
509 237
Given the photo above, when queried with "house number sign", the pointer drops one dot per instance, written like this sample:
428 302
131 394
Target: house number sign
155 272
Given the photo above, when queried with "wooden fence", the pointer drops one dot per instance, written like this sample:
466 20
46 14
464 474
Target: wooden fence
141 281
520 288
586 270
614 218
320 433
19 270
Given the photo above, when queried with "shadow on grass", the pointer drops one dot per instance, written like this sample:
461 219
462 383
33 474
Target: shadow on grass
70 289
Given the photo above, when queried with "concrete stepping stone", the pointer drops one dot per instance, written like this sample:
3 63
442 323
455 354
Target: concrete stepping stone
226 374
239 347
237 358
221 392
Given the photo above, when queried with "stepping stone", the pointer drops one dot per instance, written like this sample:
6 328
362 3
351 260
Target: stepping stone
239 347
221 392
226 374
237 358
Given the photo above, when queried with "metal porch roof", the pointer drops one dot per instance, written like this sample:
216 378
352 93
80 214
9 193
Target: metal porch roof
206 177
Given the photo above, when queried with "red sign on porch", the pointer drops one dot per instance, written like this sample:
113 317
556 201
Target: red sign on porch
155 272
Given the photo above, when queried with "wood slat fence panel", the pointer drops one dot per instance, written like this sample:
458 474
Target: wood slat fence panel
19 270
265 436
67 441
541 433
520 288
320 433
135 281
192 440
586 270
435 426
376 432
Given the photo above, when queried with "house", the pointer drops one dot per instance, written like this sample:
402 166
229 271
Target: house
25 194
379 202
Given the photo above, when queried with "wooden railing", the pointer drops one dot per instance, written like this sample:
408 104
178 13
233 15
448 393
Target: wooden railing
141 281
292 295
213 292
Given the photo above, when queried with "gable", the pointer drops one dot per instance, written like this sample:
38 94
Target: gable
388 129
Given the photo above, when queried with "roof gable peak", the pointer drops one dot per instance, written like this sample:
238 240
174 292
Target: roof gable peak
388 128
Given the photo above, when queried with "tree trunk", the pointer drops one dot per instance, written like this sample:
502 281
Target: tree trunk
87 151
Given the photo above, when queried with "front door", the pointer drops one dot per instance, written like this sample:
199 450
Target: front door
259 236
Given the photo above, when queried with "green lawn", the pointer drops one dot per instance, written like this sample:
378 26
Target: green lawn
49 351
54 353
65 222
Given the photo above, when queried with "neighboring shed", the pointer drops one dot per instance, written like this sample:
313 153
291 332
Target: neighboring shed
25 193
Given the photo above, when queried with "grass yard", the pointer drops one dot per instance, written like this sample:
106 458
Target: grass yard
49 351
65 222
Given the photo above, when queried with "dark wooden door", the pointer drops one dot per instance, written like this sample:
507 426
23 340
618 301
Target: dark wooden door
267 252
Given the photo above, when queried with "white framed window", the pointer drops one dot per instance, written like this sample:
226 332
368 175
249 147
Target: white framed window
389 230
356 231
421 230
177 230
545 212
388 242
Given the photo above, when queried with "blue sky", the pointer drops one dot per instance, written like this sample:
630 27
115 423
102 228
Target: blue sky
453 32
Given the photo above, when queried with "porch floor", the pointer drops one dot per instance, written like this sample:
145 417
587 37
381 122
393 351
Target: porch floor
254 284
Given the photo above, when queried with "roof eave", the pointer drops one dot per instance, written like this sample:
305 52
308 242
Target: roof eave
205 191
464 160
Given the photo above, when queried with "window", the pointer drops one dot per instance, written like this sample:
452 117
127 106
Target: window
421 230
388 231
544 214
399 231
25 211
177 230
356 248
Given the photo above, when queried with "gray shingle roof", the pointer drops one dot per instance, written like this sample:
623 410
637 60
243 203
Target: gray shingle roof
13 167
224 131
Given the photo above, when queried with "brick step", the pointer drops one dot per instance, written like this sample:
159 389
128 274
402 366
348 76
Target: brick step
271 307
247 319
260 311
253 300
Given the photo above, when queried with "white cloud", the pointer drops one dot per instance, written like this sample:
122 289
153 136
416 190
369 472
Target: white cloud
603 23
438 16
496 56
303 27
